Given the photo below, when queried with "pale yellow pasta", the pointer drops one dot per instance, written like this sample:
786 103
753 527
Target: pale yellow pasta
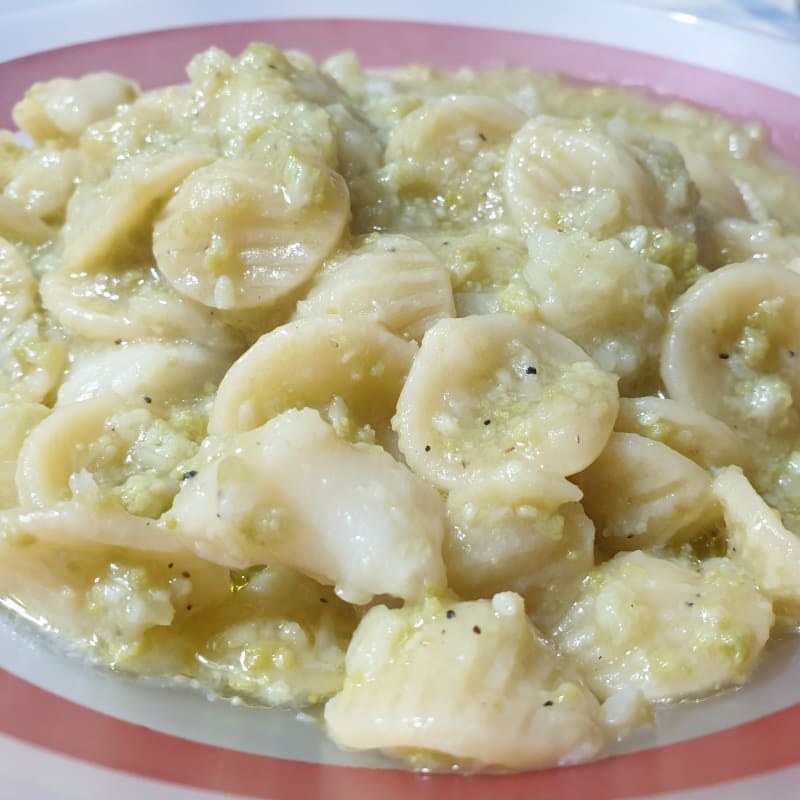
426 680
132 303
729 348
758 541
533 540
642 493
16 421
692 432
241 235
609 300
63 108
351 370
373 528
19 224
394 280
43 182
163 372
102 220
17 288
496 395
665 627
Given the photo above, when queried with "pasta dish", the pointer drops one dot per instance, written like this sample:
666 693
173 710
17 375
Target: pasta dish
460 405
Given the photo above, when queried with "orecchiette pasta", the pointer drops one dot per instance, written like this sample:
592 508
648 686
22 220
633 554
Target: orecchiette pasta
459 401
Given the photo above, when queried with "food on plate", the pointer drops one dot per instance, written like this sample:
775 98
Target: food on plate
461 405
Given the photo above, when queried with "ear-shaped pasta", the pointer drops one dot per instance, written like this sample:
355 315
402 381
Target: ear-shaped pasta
452 148
63 108
691 432
17 289
166 373
240 234
33 356
131 304
16 421
104 579
43 182
731 342
308 364
427 680
373 528
105 452
531 539
492 395
391 279
735 240
758 540
604 297
552 171
641 493
21 225
279 639
105 218
665 627
720 197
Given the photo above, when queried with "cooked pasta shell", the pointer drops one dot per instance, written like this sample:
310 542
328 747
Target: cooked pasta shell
666 627
21 225
131 304
102 219
318 362
105 580
425 682
241 234
609 300
719 195
16 421
554 168
451 150
496 394
63 108
758 540
166 373
17 289
732 344
534 540
640 493
704 439
391 279
106 451
43 182
373 527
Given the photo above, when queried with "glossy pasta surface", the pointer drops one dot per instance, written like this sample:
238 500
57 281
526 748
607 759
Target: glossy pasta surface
461 406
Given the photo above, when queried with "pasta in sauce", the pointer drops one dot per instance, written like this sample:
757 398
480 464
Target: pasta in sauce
463 404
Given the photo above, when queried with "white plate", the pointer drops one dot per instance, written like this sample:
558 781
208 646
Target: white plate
70 731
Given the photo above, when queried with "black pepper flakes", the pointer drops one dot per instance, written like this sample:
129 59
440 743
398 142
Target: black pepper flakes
189 607
487 422
117 341
188 475
170 565
482 136
186 574
450 613
427 448
724 356
547 703
530 371
323 599
476 628
147 399
689 603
